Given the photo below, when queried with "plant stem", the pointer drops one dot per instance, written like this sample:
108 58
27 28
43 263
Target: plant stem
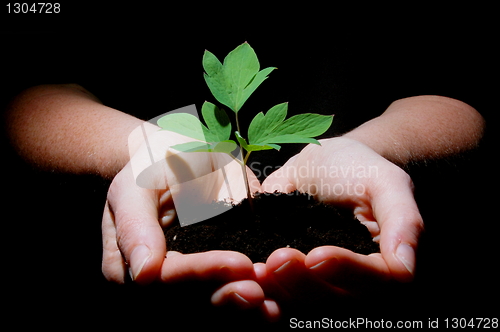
243 163
238 123
246 157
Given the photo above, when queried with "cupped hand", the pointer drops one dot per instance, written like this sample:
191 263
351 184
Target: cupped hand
134 217
346 172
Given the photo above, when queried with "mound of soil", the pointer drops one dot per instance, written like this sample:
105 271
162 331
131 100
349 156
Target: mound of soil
278 220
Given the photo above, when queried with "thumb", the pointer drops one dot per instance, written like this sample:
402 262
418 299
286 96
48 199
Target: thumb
280 180
400 225
139 235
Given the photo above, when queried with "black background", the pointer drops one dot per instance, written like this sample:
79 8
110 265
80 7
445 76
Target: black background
351 62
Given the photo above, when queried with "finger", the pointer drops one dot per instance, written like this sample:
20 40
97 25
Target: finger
167 211
374 229
270 308
286 267
233 184
244 294
260 272
275 282
269 284
222 266
138 232
365 216
113 264
345 269
401 224
253 182
280 180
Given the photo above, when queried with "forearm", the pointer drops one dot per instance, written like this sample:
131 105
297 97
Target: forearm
423 127
65 128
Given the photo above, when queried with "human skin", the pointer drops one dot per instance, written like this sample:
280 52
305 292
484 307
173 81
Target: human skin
410 130
65 128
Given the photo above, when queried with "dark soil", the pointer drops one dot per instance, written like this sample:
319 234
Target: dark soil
278 220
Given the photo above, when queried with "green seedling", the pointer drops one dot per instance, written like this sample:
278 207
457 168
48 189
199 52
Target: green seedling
231 83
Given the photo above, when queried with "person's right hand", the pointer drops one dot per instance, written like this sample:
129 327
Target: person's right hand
348 173
134 242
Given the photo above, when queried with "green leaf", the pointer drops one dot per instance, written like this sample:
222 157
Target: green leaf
194 146
273 128
262 125
241 140
240 66
217 121
290 138
260 147
254 84
227 146
185 124
308 125
211 64
236 79
219 126
218 88
255 147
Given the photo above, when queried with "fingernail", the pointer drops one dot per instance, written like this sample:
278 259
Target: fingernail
219 298
227 273
139 257
285 266
328 263
327 269
240 301
406 255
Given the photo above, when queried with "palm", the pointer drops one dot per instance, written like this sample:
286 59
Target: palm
134 215
346 172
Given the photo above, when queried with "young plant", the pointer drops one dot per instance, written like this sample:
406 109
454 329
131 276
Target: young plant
231 83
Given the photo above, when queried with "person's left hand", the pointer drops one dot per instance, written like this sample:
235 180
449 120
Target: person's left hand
348 173
133 239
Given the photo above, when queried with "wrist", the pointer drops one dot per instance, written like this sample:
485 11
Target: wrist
374 134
